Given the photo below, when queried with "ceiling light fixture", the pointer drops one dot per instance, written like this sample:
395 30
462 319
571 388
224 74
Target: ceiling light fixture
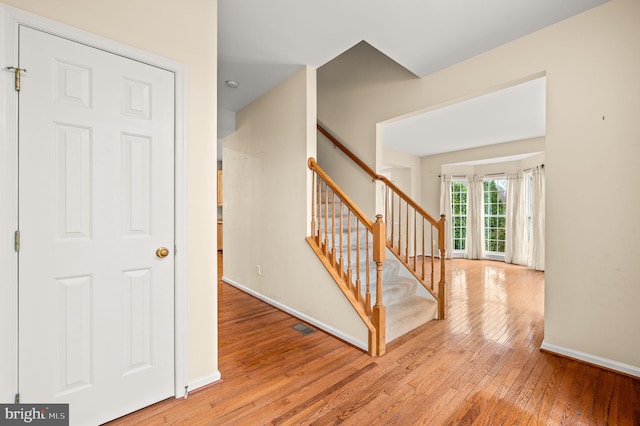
232 84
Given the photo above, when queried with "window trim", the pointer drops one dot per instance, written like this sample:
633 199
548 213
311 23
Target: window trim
494 255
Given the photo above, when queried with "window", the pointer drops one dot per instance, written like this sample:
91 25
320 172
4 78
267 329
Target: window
495 191
459 214
494 203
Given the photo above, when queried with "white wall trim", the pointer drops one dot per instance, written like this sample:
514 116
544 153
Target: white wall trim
318 324
10 19
592 359
204 381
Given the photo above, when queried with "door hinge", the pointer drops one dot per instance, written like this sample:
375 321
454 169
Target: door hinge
17 72
17 240
17 399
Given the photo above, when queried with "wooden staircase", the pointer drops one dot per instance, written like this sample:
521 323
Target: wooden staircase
382 265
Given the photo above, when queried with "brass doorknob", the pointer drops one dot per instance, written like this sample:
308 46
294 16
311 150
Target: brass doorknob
162 252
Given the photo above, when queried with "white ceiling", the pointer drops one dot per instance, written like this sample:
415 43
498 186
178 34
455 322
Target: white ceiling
261 43
514 113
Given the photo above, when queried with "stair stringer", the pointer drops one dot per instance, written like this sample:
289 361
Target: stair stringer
356 301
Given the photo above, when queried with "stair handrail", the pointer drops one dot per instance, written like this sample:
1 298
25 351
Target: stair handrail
376 176
373 317
313 165
439 295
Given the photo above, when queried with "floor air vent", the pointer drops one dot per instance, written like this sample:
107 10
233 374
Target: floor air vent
303 328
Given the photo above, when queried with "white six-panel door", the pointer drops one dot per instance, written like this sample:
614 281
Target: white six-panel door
96 201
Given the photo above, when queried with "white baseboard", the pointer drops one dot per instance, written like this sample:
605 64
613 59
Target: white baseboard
592 359
318 324
204 381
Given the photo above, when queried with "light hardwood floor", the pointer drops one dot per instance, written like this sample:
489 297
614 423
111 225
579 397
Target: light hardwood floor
480 366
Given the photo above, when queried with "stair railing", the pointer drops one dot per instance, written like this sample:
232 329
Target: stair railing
348 244
410 232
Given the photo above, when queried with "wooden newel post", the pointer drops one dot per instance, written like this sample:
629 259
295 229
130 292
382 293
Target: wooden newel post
443 250
379 310
313 201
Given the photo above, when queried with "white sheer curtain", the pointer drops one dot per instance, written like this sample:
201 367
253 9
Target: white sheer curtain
516 248
474 243
445 208
537 240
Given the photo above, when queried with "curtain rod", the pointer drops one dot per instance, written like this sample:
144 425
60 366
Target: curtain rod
496 174
531 168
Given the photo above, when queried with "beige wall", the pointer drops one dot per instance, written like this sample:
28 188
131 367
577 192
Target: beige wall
267 213
591 160
394 161
186 32
356 90
350 178
591 60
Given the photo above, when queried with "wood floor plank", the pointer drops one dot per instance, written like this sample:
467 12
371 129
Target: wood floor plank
480 366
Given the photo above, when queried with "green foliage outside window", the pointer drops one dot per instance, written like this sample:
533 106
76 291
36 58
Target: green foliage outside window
459 213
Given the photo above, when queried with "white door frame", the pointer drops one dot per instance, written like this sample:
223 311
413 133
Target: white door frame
10 19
